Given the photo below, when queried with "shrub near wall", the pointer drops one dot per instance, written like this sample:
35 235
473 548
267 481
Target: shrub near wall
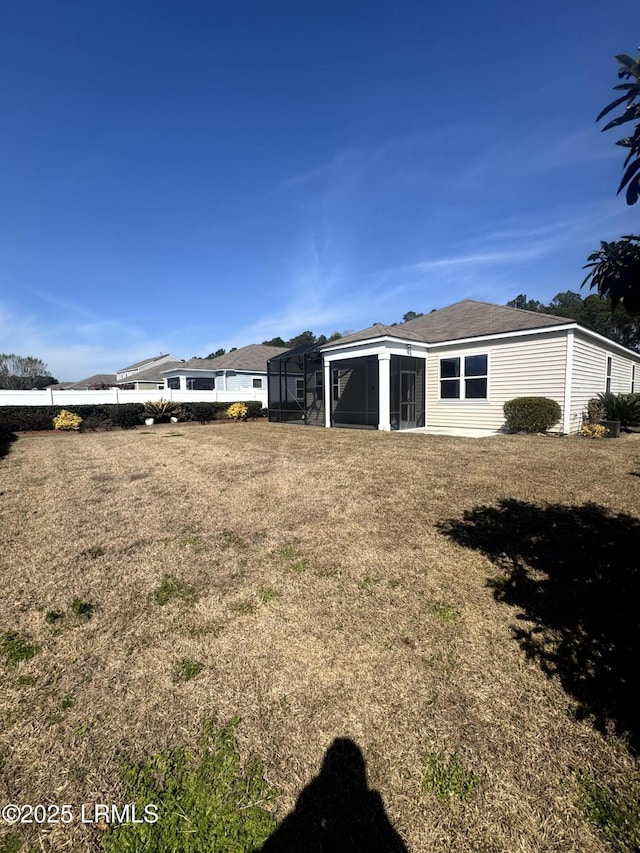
531 414
32 418
105 415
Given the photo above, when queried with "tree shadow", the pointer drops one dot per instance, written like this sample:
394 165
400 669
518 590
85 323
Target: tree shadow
573 572
337 812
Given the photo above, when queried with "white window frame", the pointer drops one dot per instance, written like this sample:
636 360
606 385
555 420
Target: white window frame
300 390
463 377
607 383
258 379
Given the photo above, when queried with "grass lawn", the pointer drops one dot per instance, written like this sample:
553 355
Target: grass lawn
196 613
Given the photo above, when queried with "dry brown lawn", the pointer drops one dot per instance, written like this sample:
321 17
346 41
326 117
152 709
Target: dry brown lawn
324 585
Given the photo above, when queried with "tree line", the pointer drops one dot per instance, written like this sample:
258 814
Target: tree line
593 312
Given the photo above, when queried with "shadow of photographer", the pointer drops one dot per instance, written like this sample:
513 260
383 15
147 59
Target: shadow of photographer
337 812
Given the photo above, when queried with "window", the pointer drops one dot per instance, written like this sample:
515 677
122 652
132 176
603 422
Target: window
200 384
335 384
174 383
300 389
608 384
257 382
633 378
464 378
319 382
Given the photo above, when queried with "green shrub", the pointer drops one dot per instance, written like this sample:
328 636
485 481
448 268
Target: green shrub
254 409
127 415
27 418
621 407
595 411
531 414
162 410
96 422
203 412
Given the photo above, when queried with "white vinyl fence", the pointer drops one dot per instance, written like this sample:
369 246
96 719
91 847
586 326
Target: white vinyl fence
52 397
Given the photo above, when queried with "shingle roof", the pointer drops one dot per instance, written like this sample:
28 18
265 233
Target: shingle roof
144 361
96 379
151 374
466 319
250 358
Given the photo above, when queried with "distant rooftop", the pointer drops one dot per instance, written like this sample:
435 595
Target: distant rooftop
250 358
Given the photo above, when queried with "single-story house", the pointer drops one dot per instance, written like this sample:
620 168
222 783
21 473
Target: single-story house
239 370
451 369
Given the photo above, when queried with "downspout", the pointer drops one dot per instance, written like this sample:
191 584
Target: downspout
568 381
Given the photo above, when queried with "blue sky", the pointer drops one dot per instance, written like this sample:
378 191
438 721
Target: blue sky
182 176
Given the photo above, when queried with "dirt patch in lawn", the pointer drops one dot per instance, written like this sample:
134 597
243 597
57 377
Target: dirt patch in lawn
460 612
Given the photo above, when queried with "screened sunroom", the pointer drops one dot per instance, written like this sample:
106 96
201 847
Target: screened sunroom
296 387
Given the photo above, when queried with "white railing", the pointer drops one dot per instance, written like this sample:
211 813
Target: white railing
53 397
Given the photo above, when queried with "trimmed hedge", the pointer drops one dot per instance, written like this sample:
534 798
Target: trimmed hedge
106 415
30 418
531 414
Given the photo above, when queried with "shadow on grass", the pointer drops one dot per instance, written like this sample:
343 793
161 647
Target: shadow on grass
337 812
574 573
6 440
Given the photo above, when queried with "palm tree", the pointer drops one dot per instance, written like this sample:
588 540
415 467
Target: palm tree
615 268
630 70
615 272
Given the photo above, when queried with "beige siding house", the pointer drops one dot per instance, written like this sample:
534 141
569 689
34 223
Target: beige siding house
456 367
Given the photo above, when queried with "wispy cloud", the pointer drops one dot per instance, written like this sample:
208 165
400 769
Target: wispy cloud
74 350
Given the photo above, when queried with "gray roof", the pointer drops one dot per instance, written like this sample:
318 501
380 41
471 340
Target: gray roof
151 374
252 358
96 379
145 361
466 319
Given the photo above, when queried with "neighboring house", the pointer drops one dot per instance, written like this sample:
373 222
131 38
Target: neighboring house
145 364
241 370
93 383
149 378
451 369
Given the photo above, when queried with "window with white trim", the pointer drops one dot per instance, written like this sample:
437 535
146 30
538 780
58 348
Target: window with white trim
257 382
633 379
608 383
464 377
300 389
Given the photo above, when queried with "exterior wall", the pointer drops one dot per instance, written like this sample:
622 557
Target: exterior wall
528 366
115 395
589 373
